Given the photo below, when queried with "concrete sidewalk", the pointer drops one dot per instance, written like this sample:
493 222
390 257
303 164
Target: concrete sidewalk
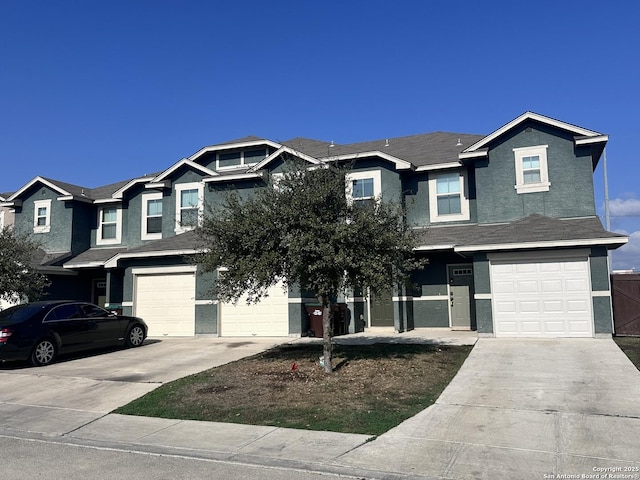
517 409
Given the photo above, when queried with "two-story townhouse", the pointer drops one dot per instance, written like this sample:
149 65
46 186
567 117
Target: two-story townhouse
506 221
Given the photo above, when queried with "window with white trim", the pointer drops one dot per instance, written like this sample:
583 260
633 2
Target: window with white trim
531 169
151 216
448 198
42 216
239 158
109 225
364 187
189 206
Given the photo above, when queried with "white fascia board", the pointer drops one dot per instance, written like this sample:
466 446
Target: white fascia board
231 146
113 261
591 140
33 182
439 166
83 265
108 200
13 204
477 154
619 241
120 192
427 248
158 185
185 161
66 198
280 151
236 176
398 162
531 116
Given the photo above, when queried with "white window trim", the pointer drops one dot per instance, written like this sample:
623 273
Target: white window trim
242 159
47 226
109 241
360 175
541 152
143 231
433 199
189 186
1 219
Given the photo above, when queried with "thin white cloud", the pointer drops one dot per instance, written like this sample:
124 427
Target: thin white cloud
627 257
624 207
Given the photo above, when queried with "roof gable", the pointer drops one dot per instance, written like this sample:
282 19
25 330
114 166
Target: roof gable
185 162
54 185
583 133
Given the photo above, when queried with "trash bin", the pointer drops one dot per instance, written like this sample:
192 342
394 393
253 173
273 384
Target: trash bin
314 311
339 319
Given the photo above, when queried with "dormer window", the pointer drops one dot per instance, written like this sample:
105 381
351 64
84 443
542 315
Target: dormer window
363 187
152 216
109 226
42 216
241 158
448 198
531 169
189 206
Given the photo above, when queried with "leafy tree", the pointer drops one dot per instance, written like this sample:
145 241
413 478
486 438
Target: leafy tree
302 229
18 277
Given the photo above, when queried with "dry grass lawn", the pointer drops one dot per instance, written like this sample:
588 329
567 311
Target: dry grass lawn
373 388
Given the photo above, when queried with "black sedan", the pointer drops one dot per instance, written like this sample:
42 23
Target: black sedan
40 331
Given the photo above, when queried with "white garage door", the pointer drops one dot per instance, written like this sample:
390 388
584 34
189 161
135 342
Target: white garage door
541 298
269 318
166 302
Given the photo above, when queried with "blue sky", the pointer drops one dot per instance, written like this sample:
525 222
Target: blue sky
96 92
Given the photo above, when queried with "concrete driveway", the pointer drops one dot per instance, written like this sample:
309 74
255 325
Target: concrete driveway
523 409
62 397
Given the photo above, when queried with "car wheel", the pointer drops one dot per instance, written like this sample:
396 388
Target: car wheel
43 353
135 337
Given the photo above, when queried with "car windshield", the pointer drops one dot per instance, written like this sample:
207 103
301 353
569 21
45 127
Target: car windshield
19 313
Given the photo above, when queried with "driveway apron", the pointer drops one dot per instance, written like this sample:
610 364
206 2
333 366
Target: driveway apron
64 396
557 408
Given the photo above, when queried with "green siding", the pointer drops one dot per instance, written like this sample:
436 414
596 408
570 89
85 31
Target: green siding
431 313
602 315
599 267
484 316
570 174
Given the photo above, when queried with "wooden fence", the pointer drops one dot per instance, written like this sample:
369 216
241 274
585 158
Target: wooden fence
626 303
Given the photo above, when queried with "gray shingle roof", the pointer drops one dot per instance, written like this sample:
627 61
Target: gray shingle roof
531 229
184 241
94 255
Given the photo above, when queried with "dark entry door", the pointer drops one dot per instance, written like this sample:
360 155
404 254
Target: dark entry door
381 310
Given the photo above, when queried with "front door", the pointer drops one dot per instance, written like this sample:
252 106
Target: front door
460 288
381 310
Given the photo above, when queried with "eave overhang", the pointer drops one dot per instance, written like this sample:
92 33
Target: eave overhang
113 261
611 243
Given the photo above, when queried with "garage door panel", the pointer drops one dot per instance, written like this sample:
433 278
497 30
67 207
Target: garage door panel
268 318
542 298
166 302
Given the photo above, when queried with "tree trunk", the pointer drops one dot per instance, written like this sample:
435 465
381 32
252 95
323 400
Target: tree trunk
327 346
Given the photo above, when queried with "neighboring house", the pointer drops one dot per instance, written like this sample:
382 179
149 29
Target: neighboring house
6 220
507 222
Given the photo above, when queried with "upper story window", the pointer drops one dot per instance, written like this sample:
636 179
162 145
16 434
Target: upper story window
189 206
42 216
151 216
240 158
531 169
109 225
364 187
448 199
